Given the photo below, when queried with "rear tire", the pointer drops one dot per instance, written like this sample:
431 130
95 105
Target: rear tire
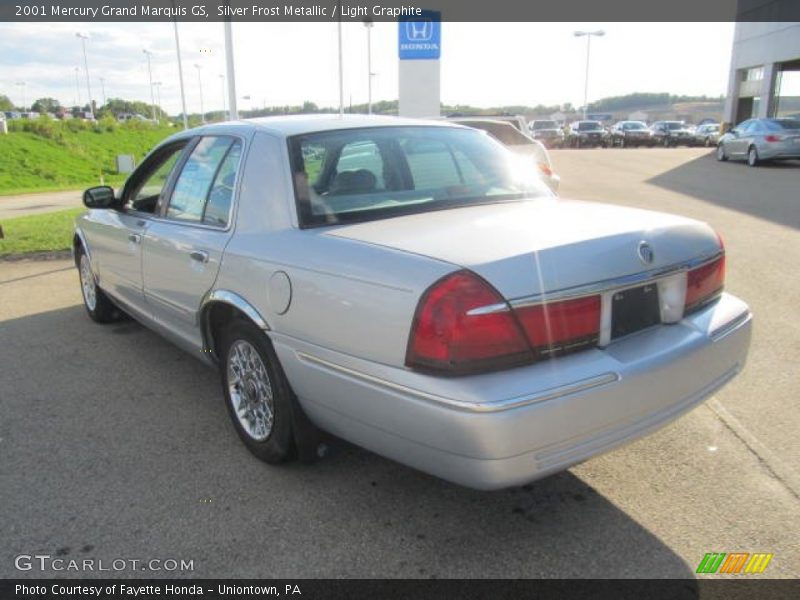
257 393
752 157
98 306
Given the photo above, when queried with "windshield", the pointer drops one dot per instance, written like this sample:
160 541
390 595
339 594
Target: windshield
673 125
589 126
634 126
379 172
544 125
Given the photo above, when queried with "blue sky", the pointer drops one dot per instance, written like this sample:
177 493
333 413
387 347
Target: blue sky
286 63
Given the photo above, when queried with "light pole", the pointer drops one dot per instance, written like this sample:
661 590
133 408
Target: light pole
224 103
157 85
588 34
78 89
23 85
341 62
180 75
83 37
103 89
200 85
150 74
368 25
229 69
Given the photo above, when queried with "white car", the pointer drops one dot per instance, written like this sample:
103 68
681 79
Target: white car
410 287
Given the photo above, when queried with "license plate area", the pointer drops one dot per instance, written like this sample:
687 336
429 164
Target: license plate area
634 309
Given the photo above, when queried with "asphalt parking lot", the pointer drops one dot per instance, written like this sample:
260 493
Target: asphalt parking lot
115 444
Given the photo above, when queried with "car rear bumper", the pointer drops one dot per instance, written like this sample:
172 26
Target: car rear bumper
779 151
501 429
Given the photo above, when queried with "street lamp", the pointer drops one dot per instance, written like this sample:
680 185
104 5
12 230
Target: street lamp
588 34
180 74
368 25
157 85
83 37
150 73
200 85
23 85
78 89
224 103
103 89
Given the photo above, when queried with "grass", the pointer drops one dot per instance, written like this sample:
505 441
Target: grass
52 156
47 232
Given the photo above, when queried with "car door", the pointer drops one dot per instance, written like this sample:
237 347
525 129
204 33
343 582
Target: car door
115 236
737 147
183 247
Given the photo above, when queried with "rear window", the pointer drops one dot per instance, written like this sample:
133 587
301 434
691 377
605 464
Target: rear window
589 126
673 125
786 123
378 172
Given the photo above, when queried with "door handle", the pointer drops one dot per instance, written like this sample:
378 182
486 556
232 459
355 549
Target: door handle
199 255
134 237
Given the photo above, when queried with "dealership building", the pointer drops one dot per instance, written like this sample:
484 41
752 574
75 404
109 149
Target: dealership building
765 69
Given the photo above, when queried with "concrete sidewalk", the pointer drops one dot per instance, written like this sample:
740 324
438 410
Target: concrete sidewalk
31 204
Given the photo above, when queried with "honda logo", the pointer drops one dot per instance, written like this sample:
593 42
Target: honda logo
420 30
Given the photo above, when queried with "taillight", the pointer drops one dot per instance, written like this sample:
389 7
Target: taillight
704 284
545 168
773 138
561 327
449 335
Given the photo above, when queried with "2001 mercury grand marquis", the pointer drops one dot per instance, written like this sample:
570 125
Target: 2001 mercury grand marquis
413 288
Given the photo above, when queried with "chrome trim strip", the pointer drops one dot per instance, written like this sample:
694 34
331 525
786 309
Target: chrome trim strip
477 407
723 330
598 287
234 300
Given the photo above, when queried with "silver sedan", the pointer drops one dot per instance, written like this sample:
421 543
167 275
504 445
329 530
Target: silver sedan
414 288
759 140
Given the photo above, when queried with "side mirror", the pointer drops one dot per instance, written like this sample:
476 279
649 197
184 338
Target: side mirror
101 196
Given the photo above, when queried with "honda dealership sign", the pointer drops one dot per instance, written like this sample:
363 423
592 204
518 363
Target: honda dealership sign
420 37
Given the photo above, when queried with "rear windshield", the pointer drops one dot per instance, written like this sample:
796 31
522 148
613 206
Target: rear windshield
378 172
589 126
786 123
502 131
544 125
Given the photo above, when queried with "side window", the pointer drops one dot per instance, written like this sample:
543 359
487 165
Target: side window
197 176
145 192
221 194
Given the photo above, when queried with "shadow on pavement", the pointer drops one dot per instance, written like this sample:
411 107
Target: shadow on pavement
769 191
115 444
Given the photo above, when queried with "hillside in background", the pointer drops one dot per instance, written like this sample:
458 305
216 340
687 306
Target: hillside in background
53 155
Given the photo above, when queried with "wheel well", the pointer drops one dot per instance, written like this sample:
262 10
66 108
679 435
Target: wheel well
76 244
215 318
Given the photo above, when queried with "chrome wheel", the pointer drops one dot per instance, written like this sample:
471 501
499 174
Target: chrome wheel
87 283
721 153
250 390
752 157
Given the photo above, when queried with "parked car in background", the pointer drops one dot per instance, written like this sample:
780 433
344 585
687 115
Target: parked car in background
548 132
519 143
707 134
586 134
631 133
760 140
12 115
671 134
404 285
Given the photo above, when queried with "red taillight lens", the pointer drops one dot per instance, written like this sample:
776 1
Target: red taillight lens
704 283
446 337
560 327
546 169
773 138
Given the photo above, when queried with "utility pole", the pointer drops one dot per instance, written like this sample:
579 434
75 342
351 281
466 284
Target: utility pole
200 84
180 74
368 24
103 89
588 34
150 74
229 67
83 37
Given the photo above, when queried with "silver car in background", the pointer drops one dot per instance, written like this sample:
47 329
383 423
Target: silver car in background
516 141
414 288
759 140
707 134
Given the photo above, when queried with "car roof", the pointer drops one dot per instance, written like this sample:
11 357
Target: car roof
291 125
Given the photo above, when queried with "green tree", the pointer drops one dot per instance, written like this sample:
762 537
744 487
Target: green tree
5 103
46 105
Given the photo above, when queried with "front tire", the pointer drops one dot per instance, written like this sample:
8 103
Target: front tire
98 306
721 155
752 157
257 393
